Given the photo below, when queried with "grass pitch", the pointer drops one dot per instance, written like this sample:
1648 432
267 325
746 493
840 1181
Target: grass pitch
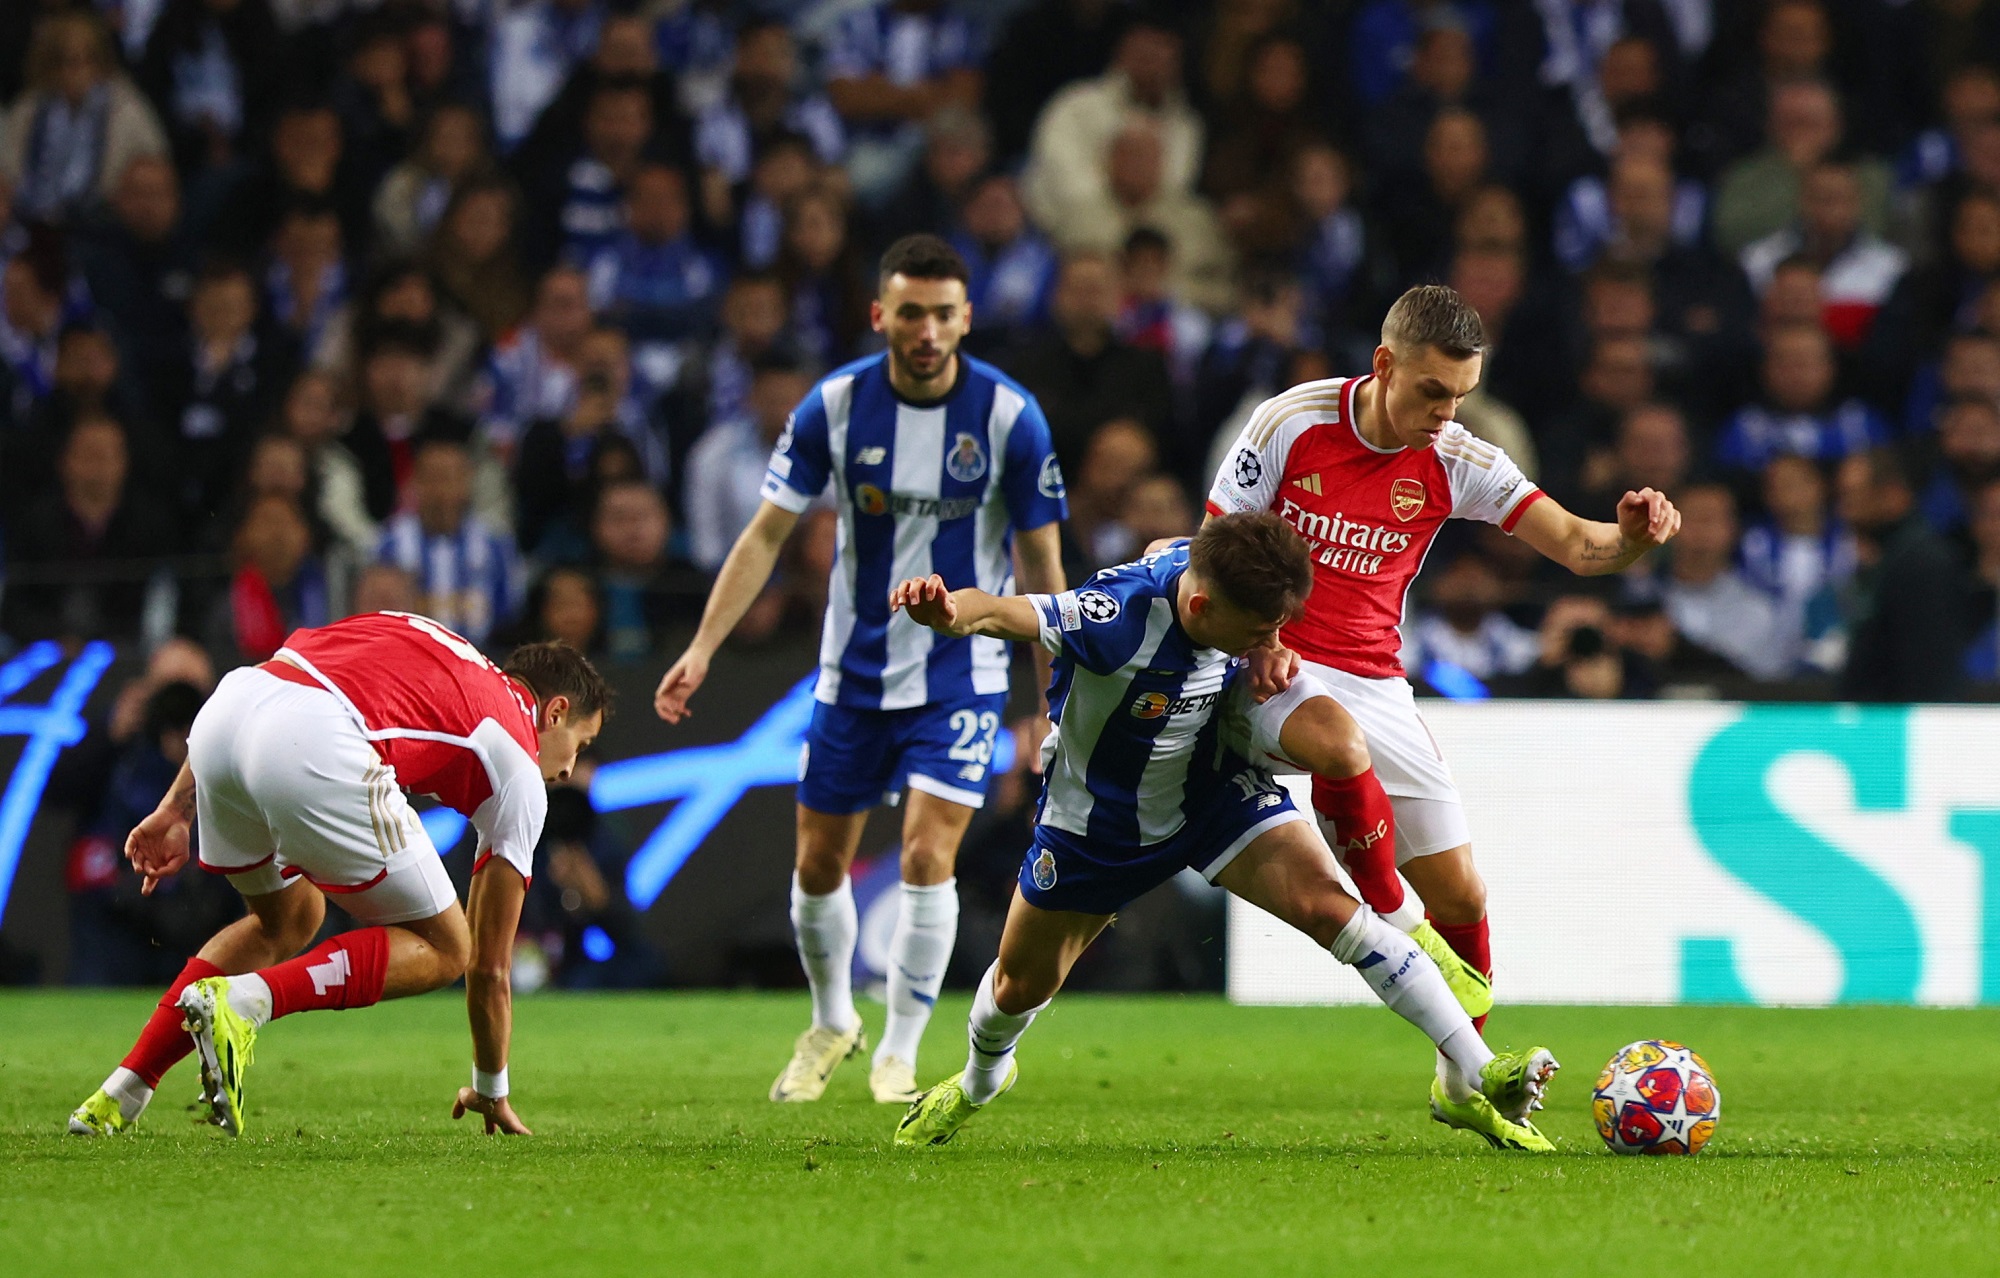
1148 1135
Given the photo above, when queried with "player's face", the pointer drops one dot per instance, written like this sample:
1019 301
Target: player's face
1422 390
924 321
1214 622
563 736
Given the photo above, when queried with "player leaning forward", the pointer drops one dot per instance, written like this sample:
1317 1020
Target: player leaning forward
1367 469
1138 786
937 463
295 780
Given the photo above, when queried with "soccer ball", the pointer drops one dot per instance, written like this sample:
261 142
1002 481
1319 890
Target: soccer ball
1656 1097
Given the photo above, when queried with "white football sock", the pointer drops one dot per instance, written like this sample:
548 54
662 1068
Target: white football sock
1406 980
826 927
1456 1085
919 952
1405 917
130 1091
994 1035
250 998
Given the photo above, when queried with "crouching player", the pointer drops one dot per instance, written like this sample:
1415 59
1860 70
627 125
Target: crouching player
296 772
1139 785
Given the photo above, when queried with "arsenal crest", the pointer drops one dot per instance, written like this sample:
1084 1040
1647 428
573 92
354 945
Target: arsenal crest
1406 498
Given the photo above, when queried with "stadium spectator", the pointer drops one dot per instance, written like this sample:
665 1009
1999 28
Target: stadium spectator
305 162
1640 211
1136 197
555 475
1080 372
1119 454
212 69
1793 42
1250 357
1908 608
625 54
79 557
575 196
383 588
652 279
727 465
532 371
305 284
31 313
474 256
1245 169
890 66
138 264
1013 267
278 582
1461 623
1801 557
1152 316
69 137
1617 378
1708 599
467 572
1068 170
1443 73
563 604
378 113
1759 194
226 387
1651 449
1800 411
1968 449
1419 217
766 96
1932 301
785 169
411 201
1332 242
588 933
400 293
714 381
820 266
1858 269
958 148
1982 655
629 532
338 492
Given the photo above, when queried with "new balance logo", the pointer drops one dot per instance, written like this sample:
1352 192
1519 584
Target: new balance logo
330 973
1310 483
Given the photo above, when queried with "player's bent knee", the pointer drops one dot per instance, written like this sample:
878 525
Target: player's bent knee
820 870
1326 741
927 861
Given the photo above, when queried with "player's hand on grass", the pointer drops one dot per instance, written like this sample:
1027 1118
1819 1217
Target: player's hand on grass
158 846
927 600
1271 671
1647 518
670 699
500 1116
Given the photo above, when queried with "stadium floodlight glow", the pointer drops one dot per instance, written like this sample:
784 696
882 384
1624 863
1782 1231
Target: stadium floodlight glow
50 728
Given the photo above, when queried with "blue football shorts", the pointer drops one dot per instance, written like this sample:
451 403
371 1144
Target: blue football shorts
854 759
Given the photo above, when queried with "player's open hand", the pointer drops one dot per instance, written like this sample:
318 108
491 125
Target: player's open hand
500 1116
928 601
670 699
1647 518
1271 671
158 846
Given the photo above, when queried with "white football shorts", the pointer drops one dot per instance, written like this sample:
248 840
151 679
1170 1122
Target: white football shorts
286 786
1430 816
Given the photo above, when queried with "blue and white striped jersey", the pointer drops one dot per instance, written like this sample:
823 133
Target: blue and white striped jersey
1135 702
920 489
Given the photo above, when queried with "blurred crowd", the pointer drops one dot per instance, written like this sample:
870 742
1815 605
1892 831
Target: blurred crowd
492 310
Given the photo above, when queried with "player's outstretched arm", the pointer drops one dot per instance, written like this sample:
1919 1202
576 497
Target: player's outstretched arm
736 587
493 905
158 845
959 613
1590 549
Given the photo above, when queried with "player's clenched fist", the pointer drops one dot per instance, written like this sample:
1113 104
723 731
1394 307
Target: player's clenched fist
927 600
500 1116
1646 516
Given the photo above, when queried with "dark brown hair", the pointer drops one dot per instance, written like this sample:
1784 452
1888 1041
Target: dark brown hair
554 669
1256 562
1434 316
923 257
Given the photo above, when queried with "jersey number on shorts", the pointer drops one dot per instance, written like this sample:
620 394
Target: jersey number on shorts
975 736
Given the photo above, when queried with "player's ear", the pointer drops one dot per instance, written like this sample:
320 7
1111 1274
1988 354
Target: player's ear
875 314
1385 360
555 711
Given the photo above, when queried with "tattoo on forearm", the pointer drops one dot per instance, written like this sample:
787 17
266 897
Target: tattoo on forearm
184 803
1597 552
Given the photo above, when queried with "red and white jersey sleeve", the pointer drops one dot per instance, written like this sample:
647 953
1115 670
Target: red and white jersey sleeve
1368 514
450 722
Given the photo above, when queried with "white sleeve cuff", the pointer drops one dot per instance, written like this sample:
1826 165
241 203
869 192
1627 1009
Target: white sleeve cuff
784 496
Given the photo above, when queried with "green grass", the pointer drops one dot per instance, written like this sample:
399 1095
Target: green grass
1148 1135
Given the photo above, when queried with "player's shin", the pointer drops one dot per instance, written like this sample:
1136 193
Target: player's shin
826 928
993 1036
919 952
1361 827
159 1047
344 971
1411 986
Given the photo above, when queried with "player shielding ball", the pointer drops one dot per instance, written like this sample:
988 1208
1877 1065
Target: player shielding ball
1139 786
295 783
1367 469
937 463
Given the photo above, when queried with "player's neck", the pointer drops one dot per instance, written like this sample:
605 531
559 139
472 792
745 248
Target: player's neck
1371 419
936 390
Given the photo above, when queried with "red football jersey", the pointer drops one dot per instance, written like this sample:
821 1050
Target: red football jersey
1368 514
450 723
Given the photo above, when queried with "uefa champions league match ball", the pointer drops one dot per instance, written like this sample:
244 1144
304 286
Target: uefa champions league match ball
1656 1097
